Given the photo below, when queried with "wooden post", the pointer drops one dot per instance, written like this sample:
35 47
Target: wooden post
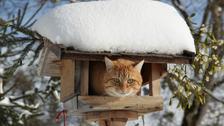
85 78
111 118
154 79
67 79
103 123
118 121
113 122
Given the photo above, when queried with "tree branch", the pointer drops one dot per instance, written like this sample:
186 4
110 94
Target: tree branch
181 9
211 95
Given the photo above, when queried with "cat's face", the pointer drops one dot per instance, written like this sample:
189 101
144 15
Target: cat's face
122 77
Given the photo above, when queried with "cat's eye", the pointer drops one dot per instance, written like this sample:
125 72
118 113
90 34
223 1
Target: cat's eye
116 81
130 81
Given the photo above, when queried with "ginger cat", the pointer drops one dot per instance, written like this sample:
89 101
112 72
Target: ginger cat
120 78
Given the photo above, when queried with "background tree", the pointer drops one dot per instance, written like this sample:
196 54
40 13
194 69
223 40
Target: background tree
208 65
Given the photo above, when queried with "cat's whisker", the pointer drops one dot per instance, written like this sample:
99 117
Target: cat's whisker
108 86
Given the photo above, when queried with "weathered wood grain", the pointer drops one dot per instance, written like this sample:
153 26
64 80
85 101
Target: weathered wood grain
107 115
85 78
156 71
67 79
49 64
148 57
141 104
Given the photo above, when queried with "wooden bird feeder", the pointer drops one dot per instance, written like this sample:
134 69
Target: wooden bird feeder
78 70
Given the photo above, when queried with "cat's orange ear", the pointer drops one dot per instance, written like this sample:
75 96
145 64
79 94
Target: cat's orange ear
109 63
138 67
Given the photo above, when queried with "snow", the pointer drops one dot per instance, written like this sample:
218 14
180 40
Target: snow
1 86
56 95
1 71
139 26
5 102
25 113
29 92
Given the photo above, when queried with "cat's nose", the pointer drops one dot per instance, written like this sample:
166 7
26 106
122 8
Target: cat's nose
124 91
123 87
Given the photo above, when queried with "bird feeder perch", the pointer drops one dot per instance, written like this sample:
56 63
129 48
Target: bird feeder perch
79 70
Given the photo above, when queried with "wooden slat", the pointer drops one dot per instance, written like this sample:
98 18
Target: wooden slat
67 79
154 79
49 64
113 122
141 104
61 52
107 115
58 52
85 78
102 122
54 48
118 122
149 58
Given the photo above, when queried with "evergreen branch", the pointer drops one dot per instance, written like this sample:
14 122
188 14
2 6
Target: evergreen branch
21 29
8 90
32 17
36 54
23 14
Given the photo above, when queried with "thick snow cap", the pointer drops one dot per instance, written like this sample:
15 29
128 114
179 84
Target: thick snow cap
137 26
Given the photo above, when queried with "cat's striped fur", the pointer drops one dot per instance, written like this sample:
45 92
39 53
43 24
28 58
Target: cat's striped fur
122 77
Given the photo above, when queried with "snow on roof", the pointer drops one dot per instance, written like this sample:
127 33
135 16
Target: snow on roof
142 26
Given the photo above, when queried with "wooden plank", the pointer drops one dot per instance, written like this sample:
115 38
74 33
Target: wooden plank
61 52
149 58
118 122
108 115
67 80
85 78
49 64
102 122
142 104
113 122
54 48
154 79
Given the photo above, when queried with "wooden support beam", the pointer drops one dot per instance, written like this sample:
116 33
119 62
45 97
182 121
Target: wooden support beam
103 123
118 121
149 58
141 104
49 64
113 122
114 115
155 75
67 79
85 78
